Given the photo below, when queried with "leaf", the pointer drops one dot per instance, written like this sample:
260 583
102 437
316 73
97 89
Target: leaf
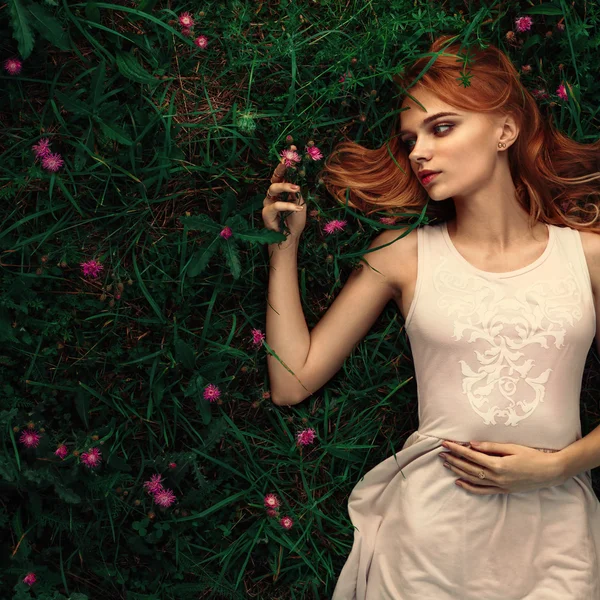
204 411
199 260
77 107
227 205
114 132
82 403
185 354
146 5
92 12
202 223
21 27
232 258
66 494
49 27
129 67
543 9
97 86
262 236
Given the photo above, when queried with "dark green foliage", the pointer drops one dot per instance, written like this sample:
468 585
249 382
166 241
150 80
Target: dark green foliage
165 145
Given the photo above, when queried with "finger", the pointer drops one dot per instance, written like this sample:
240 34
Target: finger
276 189
481 490
279 172
281 206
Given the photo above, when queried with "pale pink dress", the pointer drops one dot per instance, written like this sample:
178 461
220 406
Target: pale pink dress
498 357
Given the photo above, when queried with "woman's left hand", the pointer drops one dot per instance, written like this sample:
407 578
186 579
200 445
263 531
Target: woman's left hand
517 469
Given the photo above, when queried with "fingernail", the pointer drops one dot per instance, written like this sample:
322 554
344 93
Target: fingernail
295 187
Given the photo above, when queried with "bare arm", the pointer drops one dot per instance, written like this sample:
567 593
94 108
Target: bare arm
316 356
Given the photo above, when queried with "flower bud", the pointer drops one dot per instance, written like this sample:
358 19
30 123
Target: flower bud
130 282
44 259
38 271
354 61
62 264
112 302
95 438
16 429
289 139
310 143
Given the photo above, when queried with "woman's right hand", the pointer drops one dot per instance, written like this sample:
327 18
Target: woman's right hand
273 205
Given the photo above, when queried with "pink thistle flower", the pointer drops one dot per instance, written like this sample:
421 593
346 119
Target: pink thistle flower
30 579
211 392
286 522
186 21
540 94
257 337
388 220
52 162
164 498
187 32
91 268
562 92
271 501
226 233
42 148
306 436
271 512
523 23
154 485
334 225
172 466
314 153
13 66
30 438
61 451
92 458
201 41
290 157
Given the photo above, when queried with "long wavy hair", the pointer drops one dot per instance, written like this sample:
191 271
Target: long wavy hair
556 178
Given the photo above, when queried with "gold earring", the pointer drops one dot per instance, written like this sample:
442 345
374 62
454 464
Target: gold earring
501 145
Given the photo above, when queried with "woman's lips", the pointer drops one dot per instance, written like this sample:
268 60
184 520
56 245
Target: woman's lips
429 178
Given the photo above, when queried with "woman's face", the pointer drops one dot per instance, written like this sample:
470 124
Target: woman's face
462 146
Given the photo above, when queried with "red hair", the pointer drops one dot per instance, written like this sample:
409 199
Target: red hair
547 167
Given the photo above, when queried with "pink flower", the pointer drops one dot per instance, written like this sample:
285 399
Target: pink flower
61 451
271 512
52 162
13 66
185 20
154 485
172 465
226 233
562 92
560 26
523 23
314 153
91 268
257 337
290 156
271 501
92 458
29 579
540 94
211 392
42 148
388 220
342 79
334 225
286 522
164 498
306 436
30 438
201 41
187 32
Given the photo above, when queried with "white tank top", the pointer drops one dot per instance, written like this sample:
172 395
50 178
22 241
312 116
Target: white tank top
500 356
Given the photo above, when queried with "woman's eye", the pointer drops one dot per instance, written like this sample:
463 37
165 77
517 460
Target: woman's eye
407 142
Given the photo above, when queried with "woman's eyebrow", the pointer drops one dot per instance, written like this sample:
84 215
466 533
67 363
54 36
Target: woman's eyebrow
433 118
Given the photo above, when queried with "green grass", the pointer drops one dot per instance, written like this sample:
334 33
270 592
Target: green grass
152 127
